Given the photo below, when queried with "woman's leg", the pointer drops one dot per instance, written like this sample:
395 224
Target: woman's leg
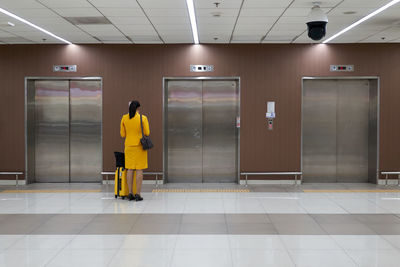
129 178
139 180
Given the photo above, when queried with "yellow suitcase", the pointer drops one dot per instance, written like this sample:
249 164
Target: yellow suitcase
121 188
121 185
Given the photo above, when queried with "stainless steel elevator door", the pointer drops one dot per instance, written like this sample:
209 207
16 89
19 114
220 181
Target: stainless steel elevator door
352 130
67 131
201 133
220 108
85 131
51 131
319 130
184 132
335 130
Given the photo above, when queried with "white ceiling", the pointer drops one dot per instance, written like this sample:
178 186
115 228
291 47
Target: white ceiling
167 21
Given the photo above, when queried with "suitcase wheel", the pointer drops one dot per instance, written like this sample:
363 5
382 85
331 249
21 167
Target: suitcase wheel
116 196
123 197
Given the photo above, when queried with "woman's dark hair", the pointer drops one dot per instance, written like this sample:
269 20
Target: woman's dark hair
132 108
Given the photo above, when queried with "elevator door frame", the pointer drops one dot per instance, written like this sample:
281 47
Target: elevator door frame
165 110
28 81
377 79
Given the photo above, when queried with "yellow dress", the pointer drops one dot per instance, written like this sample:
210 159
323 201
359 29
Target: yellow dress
135 156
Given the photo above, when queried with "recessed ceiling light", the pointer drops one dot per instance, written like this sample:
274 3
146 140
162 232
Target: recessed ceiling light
7 24
192 16
34 25
379 10
349 12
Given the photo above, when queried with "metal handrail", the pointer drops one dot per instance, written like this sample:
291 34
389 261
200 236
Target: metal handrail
13 173
144 173
388 173
274 173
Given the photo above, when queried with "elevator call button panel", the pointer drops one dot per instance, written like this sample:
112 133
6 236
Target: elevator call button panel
64 68
342 68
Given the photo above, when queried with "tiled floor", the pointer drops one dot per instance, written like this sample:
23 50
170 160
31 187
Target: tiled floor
269 226
199 250
252 202
186 224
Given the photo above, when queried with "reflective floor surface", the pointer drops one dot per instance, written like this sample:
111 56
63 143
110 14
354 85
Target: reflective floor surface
312 225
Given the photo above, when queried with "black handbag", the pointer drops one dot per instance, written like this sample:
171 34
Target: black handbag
145 140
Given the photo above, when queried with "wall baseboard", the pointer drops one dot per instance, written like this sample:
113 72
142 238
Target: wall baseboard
144 182
12 182
261 182
242 182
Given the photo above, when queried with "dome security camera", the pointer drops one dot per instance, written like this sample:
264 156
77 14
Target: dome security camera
316 23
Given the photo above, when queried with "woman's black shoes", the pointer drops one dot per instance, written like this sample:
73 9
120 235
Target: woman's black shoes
135 197
138 197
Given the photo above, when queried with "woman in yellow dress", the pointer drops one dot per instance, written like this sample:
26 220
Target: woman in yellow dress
135 156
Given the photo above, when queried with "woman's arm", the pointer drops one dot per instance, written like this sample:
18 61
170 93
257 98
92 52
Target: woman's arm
122 128
146 127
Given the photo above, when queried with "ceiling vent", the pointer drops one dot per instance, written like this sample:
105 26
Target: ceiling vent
88 20
216 14
349 12
278 39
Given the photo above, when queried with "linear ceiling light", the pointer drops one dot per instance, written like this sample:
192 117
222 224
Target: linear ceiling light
33 25
379 10
192 16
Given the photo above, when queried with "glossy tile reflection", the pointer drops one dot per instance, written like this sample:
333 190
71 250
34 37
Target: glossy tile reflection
286 226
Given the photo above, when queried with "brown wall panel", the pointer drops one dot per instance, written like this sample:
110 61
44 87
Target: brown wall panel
267 72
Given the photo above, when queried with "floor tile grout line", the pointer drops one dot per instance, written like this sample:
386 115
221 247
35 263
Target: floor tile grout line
228 235
15 241
341 206
59 252
40 225
384 237
269 218
133 225
142 211
287 249
379 206
173 251
344 250
105 208
85 225
77 200
265 210
71 203
230 250
320 226
117 250
185 204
